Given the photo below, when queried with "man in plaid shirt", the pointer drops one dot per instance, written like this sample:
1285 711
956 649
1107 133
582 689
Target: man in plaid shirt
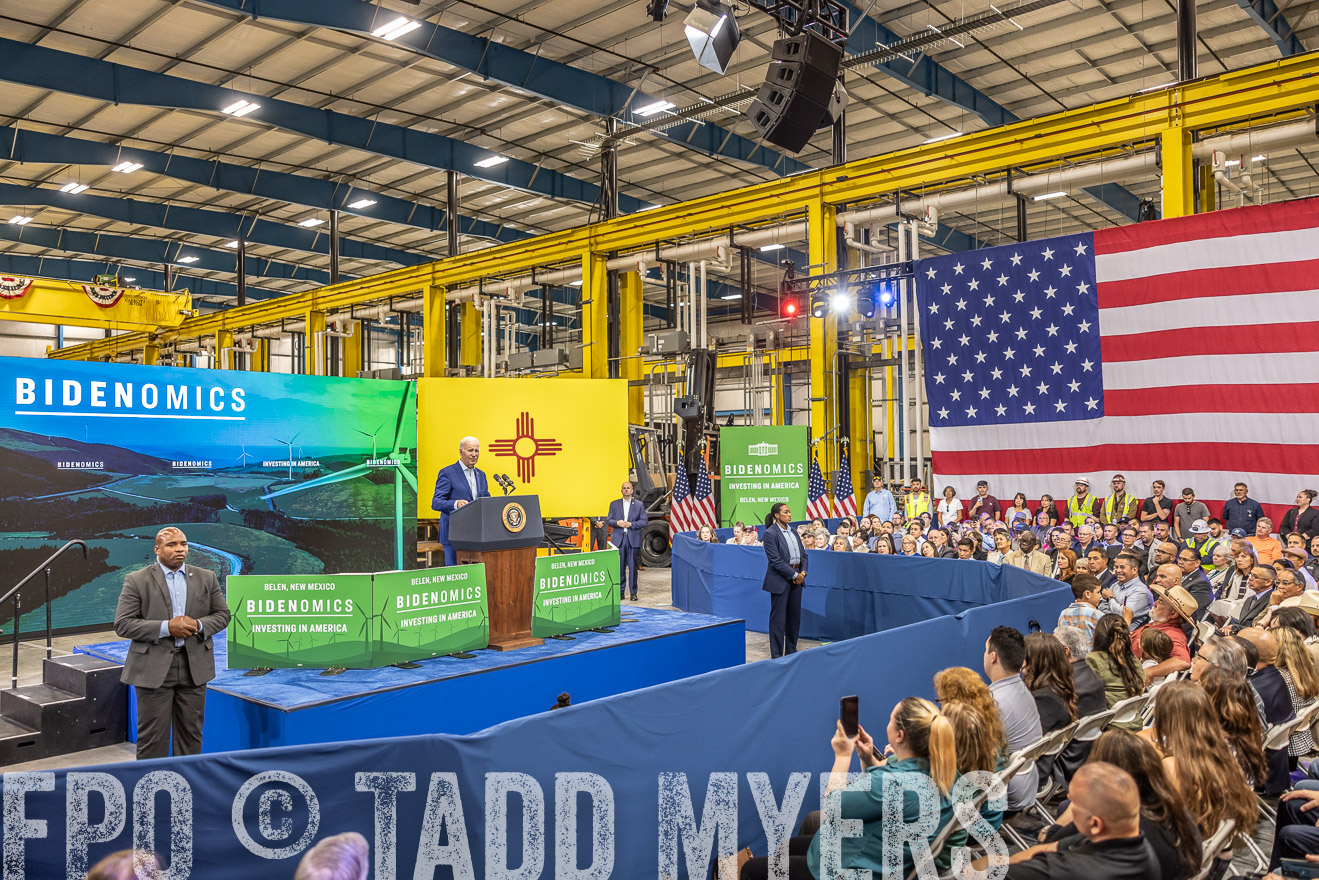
1084 612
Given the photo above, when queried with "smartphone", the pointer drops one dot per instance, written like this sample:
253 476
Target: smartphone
1300 868
847 713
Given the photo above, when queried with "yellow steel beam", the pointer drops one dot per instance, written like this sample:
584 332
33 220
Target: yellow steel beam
1178 176
822 240
630 330
48 301
1235 98
595 316
469 348
225 358
434 334
314 343
736 359
861 448
351 349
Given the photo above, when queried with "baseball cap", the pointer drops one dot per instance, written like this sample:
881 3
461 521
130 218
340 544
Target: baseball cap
1238 533
1199 527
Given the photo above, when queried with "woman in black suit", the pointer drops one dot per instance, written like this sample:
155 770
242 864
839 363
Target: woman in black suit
783 580
1303 518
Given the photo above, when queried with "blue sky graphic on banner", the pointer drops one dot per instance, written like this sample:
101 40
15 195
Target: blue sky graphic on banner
265 473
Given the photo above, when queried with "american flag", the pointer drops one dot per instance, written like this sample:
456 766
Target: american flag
817 498
1179 350
844 497
689 511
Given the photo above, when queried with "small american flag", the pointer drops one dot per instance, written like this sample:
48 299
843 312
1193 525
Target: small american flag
702 500
679 508
817 498
844 497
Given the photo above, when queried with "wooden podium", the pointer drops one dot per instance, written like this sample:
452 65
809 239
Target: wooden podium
503 533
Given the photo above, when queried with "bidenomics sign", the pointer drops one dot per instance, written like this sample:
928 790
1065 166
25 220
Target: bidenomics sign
263 472
760 467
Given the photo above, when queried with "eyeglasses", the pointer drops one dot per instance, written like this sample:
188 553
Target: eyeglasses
1256 577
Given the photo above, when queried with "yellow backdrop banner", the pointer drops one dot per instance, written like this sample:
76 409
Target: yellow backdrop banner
562 439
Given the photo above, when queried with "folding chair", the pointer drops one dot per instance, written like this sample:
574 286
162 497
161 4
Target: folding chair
1278 736
1046 744
940 841
1128 710
1053 750
1214 845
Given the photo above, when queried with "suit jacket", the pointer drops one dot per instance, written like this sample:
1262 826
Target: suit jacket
1197 584
451 486
779 575
1254 606
635 514
144 603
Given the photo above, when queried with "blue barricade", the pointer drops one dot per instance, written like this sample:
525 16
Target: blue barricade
846 594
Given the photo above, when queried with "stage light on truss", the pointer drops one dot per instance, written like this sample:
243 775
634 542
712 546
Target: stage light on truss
819 304
713 34
841 302
657 9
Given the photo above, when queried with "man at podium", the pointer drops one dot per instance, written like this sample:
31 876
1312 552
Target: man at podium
458 484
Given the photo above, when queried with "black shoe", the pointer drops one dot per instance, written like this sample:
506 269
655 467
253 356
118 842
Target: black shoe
634 597
622 596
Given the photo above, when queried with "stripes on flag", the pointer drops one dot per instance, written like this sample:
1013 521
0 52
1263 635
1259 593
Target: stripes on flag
844 496
702 500
817 493
1205 372
679 507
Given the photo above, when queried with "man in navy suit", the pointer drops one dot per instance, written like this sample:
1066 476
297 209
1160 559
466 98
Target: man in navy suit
783 580
627 517
457 485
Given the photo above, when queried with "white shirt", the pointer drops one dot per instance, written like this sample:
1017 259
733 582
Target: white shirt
627 508
470 474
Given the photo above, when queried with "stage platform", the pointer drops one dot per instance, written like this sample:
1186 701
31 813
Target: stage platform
449 695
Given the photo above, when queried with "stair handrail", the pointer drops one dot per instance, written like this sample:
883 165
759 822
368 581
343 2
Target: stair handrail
13 594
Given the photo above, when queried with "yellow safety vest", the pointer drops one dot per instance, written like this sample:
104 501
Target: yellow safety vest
1076 514
917 503
1206 551
1128 505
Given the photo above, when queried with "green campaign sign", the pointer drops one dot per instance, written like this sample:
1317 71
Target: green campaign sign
287 621
429 613
762 466
574 592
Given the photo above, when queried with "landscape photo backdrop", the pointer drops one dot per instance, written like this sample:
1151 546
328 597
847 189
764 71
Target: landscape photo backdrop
264 472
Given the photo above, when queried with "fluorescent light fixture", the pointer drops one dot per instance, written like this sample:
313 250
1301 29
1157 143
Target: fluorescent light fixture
20 220
491 161
1232 162
360 204
127 167
1154 88
241 108
73 187
943 137
1053 195
574 284
1258 158
766 248
396 28
732 296
652 109
129 280
187 259
231 244
310 222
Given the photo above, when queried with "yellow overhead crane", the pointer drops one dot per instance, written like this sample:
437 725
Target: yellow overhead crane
1166 120
48 301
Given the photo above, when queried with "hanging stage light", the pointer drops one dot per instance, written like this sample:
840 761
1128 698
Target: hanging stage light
657 9
713 34
819 304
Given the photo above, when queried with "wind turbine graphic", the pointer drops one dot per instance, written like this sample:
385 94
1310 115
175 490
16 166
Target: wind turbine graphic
372 435
289 444
243 456
401 473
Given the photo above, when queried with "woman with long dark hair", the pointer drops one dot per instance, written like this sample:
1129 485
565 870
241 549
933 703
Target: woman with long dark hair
1116 665
1199 762
1234 707
1047 674
1047 506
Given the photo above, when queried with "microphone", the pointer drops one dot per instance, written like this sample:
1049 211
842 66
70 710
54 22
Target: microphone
508 484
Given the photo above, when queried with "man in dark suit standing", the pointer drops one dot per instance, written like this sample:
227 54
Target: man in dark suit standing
171 611
457 485
783 580
627 517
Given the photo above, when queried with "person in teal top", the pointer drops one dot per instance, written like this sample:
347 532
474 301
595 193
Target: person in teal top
921 741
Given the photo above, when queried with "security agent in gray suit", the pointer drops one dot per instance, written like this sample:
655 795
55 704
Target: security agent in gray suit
171 611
